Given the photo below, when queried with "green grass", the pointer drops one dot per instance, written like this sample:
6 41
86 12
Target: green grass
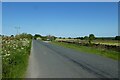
15 65
16 68
103 52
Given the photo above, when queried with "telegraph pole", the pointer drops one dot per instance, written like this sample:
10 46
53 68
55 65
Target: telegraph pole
17 28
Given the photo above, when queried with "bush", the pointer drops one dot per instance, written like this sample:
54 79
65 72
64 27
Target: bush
15 53
117 38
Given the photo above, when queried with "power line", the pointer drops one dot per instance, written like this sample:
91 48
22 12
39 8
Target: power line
17 29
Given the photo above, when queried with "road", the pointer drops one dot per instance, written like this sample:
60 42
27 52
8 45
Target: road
51 61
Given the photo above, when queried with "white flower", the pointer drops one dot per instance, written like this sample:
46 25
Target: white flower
5 41
22 48
8 54
16 45
14 48
5 50
8 51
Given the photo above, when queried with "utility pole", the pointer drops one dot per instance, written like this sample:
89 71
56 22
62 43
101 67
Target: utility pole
17 28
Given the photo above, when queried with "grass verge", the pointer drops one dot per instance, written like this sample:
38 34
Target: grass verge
103 52
15 55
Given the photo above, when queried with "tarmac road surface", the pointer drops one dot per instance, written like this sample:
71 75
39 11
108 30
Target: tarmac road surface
51 61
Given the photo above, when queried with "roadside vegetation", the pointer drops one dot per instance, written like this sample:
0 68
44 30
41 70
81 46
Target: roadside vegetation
15 53
107 47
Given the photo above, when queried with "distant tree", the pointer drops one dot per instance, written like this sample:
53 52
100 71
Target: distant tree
86 38
51 38
117 38
91 37
30 36
48 37
3 36
44 38
60 37
23 35
54 37
12 36
63 37
37 35
69 37
77 37
81 38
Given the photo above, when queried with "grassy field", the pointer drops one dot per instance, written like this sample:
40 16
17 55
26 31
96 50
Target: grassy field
15 54
106 42
103 52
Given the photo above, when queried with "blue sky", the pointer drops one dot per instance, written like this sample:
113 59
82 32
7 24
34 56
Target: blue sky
61 19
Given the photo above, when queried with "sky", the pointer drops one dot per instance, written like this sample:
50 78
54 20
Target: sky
61 19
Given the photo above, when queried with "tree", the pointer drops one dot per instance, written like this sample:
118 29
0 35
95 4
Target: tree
52 38
12 36
44 38
30 36
77 38
91 37
60 37
86 38
81 38
37 35
69 37
48 38
63 37
117 38
22 36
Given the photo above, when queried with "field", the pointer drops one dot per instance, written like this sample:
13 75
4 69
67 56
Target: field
106 42
99 51
15 53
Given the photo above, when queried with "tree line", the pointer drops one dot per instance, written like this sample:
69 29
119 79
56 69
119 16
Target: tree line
45 38
87 37
51 38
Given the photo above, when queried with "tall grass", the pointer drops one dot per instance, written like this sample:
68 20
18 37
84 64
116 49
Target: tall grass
15 53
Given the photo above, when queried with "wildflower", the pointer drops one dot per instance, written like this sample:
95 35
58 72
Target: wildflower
22 48
8 54
5 50
14 48
8 51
